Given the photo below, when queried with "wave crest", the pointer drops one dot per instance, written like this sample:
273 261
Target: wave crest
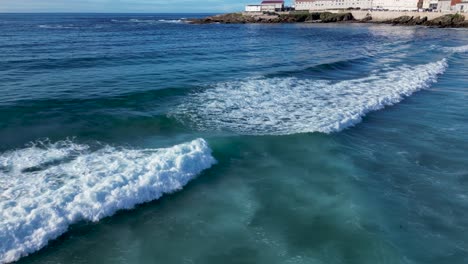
459 49
281 106
47 187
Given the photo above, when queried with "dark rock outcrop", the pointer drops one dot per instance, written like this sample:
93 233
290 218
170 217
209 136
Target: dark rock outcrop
233 18
455 20
407 20
335 17
366 19
238 18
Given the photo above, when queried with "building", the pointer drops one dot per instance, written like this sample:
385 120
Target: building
397 5
272 5
461 6
430 4
332 4
253 8
444 6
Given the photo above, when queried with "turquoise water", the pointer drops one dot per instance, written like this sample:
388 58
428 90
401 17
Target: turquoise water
143 139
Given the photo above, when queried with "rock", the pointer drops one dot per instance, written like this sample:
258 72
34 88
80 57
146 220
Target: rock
327 17
420 21
455 20
443 21
239 18
401 20
463 24
294 18
366 19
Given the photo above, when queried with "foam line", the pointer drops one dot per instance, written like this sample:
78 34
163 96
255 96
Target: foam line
281 106
70 183
459 49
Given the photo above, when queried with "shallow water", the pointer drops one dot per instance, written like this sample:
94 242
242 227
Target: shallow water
302 143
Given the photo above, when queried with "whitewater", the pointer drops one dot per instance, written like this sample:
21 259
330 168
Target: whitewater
282 106
49 186
285 143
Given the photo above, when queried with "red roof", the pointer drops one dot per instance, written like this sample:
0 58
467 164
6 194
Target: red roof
273 2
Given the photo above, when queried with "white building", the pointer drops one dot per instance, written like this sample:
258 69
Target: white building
444 5
430 4
397 5
462 7
253 8
272 5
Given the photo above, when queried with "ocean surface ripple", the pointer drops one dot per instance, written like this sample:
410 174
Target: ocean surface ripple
333 143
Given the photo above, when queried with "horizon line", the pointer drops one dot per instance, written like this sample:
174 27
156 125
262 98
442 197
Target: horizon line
207 12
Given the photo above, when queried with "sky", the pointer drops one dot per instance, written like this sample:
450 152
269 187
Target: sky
125 6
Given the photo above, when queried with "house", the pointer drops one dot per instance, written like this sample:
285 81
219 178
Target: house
253 8
272 5
461 6
430 4
444 6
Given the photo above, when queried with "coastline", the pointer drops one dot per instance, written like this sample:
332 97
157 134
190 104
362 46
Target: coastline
439 20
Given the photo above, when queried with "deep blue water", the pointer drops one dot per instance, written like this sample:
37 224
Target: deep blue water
303 143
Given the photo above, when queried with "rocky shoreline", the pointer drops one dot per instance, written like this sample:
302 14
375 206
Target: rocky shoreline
444 21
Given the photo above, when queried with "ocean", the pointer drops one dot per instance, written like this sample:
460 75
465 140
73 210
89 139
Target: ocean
140 138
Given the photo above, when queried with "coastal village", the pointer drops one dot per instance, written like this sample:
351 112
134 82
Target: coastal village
374 5
431 13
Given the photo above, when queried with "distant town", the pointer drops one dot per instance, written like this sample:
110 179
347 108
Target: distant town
460 6
429 13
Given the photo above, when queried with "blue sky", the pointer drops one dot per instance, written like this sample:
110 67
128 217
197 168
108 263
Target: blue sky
156 6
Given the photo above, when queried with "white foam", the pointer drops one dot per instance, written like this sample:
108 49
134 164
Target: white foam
134 20
279 106
149 21
459 49
171 20
152 21
56 26
69 183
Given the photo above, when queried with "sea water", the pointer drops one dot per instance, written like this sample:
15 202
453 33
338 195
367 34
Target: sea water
129 138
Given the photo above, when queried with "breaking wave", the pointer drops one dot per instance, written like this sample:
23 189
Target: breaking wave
459 49
149 21
56 26
281 106
171 20
46 187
